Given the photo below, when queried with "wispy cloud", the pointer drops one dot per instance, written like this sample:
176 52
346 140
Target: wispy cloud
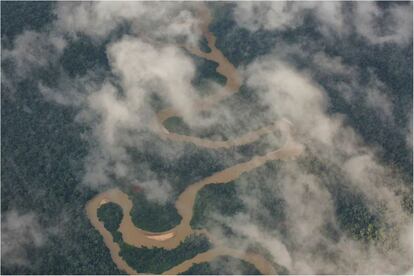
18 232
369 20
147 61
309 202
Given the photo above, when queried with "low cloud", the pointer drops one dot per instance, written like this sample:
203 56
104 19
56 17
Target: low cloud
384 25
116 104
148 62
31 52
121 112
309 204
143 69
342 78
18 232
157 191
165 21
377 25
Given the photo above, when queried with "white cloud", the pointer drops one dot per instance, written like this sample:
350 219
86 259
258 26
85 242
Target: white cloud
31 51
267 15
143 68
157 191
242 225
333 65
292 95
167 20
280 15
397 20
379 101
120 116
366 18
18 232
309 205
370 90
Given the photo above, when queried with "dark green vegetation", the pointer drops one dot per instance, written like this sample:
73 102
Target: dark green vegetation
392 64
111 216
152 216
259 249
43 157
150 260
353 214
205 74
262 184
43 152
223 265
198 163
239 45
191 165
220 199
177 125
82 56
240 113
203 45
17 17
156 102
225 200
42 165
158 260
247 113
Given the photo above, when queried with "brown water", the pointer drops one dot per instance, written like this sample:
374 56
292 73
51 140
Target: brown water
185 202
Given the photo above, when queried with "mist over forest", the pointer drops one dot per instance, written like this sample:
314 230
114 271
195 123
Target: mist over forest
83 81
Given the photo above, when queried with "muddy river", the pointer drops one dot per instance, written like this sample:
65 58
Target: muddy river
185 202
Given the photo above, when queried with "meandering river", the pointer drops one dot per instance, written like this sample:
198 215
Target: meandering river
185 202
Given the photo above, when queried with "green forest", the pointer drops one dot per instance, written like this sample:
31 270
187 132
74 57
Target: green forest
150 260
158 260
386 61
223 265
44 149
